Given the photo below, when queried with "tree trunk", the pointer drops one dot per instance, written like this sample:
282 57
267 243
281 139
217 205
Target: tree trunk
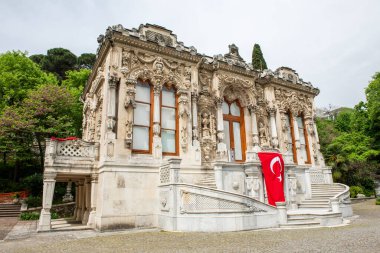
41 151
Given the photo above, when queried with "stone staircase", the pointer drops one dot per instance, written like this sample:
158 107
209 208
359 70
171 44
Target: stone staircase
320 196
208 181
9 210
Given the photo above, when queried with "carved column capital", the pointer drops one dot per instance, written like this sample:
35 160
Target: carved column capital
112 81
157 87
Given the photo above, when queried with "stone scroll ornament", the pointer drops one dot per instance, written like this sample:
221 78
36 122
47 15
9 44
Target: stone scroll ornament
273 170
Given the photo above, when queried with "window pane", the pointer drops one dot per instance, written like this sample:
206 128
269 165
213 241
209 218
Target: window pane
235 110
225 108
168 118
168 141
141 138
237 141
168 97
141 114
288 130
143 92
226 131
299 122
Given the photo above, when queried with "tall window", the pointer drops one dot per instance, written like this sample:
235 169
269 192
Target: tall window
304 143
169 121
291 147
234 131
142 118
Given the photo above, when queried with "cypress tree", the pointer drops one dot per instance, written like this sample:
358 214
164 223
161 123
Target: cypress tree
258 61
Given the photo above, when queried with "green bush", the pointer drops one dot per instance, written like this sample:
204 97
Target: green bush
36 215
30 216
34 201
355 190
54 215
33 184
378 201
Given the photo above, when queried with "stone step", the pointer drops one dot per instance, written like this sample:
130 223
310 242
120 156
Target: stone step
300 224
306 201
310 206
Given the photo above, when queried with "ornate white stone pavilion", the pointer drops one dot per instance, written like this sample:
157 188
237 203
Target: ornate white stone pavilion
171 136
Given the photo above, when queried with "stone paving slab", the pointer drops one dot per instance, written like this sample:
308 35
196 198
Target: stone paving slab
362 236
6 225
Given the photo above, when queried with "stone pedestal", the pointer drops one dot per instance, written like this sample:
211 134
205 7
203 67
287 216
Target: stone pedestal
44 223
282 212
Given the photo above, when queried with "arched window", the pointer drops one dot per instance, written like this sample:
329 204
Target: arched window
169 121
304 142
143 118
234 130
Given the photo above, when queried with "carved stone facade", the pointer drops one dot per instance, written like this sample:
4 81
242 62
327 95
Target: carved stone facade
225 113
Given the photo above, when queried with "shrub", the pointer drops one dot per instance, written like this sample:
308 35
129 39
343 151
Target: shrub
34 201
33 184
355 190
30 216
54 215
378 201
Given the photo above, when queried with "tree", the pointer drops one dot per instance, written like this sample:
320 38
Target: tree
18 75
258 61
58 61
373 105
86 60
75 83
47 111
37 58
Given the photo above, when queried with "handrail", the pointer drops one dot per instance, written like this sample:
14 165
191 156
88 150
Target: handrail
346 190
222 192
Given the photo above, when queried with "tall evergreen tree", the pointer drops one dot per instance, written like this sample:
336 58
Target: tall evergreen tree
258 61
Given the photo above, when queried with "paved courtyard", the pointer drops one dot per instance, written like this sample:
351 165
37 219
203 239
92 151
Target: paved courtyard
362 235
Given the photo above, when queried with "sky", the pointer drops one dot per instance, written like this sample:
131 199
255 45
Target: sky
334 44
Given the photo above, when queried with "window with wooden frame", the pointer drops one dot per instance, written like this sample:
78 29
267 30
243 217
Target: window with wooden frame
304 142
234 130
143 118
169 121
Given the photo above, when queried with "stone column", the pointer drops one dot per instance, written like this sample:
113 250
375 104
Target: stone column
194 112
80 201
68 197
222 147
157 145
76 201
273 127
44 223
94 192
255 132
296 132
87 200
111 107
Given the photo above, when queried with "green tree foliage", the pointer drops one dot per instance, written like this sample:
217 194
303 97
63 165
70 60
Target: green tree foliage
58 61
18 75
75 82
373 104
350 143
37 58
258 61
86 60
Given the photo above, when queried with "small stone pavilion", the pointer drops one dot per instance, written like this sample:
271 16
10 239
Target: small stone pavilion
171 137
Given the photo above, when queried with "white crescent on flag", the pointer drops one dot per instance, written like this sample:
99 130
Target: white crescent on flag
272 162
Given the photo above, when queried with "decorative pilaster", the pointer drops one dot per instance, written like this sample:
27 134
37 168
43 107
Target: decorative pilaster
221 151
195 134
184 114
274 139
80 201
292 180
157 144
129 105
44 223
94 191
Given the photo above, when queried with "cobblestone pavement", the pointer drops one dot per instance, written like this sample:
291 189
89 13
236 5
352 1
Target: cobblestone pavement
6 225
362 235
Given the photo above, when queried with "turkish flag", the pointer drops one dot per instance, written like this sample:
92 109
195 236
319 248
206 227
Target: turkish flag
273 170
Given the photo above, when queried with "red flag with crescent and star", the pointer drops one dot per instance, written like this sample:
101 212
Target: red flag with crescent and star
273 169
